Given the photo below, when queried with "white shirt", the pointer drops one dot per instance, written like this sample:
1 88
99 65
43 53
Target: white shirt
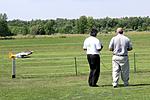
120 44
92 44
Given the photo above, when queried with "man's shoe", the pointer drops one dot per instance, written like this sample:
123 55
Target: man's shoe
125 85
94 85
115 86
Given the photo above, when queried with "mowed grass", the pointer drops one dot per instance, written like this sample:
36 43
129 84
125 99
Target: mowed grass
49 74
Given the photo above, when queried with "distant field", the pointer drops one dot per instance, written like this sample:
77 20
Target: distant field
49 74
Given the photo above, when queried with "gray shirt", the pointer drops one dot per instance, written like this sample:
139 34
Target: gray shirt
120 45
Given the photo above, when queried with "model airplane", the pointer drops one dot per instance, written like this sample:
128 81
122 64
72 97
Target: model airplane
24 54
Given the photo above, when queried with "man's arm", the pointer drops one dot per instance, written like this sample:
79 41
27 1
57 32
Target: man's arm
100 48
111 45
129 46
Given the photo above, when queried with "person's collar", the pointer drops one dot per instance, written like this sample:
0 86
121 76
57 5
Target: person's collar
119 34
93 36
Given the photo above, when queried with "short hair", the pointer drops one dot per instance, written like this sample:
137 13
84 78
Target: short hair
120 30
94 32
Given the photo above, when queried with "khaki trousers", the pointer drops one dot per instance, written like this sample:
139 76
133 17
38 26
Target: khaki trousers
120 64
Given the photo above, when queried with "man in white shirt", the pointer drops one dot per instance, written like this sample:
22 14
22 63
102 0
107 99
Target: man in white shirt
120 45
93 46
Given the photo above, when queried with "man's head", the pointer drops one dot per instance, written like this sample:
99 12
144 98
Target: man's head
119 30
94 32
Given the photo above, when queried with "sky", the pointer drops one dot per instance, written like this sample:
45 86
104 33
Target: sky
73 9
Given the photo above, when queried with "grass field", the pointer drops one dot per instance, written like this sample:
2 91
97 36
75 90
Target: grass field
49 74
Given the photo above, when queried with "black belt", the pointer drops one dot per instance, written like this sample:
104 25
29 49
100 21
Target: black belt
119 55
92 54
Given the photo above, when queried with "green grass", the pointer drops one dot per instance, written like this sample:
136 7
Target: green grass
50 72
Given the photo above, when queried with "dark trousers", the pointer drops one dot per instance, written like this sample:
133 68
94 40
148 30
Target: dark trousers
94 63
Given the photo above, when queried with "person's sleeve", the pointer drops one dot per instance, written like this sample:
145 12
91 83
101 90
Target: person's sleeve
130 45
84 45
99 45
111 44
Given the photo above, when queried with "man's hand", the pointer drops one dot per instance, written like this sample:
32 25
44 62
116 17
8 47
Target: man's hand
100 49
84 49
129 49
111 49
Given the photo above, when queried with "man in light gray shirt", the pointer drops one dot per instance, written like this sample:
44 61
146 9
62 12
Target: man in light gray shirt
120 45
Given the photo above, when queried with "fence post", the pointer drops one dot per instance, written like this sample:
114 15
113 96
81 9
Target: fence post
75 62
13 68
2 69
134 63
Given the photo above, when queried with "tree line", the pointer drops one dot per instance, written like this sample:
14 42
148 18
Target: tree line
82 25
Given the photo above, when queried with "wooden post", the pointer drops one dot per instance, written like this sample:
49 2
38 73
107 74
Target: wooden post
75 61
134 63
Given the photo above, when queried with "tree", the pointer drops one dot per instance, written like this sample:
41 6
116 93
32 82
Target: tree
37 30
90 23
34 30
19 30
82 25
3 17
68 29
70 26
4 30
49 27
60 23
41 30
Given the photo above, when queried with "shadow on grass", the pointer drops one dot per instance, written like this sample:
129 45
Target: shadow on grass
130 85
139 84
143 71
